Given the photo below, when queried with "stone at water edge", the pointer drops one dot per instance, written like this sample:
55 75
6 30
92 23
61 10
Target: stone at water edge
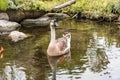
8 26
39 22
16 36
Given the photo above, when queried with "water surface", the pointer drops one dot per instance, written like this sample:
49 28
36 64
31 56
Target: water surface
95 52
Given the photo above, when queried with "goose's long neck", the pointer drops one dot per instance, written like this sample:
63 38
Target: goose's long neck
53 37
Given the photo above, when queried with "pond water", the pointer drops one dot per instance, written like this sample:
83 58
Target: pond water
95 53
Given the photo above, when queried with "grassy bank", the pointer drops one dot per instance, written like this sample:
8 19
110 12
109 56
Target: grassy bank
92 7
97 7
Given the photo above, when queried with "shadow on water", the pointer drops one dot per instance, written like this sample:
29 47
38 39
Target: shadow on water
95 53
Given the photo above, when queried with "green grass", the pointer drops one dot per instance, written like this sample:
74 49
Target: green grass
46 5
3 4
91 7
95 7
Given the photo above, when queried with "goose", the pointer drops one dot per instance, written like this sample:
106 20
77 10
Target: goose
58 46
58 49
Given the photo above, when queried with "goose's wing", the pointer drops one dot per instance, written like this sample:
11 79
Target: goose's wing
63 46
58 48
61 43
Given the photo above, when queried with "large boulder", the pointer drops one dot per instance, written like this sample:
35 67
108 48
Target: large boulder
39 22
6 26
15 15
32 14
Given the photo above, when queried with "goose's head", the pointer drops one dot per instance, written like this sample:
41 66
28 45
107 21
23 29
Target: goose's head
53 23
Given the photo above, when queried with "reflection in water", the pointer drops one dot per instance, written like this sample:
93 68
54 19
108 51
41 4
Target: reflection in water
32 69
96 54
53 60
21 61
12 72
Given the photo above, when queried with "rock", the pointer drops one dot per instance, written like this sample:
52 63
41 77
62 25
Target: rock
17 36
30 14
39 22
59 16
8 26
43 21
15 15
4 16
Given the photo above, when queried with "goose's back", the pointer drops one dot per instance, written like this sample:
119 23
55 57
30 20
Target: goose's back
61 43
54 48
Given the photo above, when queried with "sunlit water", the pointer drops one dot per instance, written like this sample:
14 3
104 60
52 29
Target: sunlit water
95 50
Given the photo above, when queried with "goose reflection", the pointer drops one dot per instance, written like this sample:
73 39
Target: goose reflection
58 49
96 54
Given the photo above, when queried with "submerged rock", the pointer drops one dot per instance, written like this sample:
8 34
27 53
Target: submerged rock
8 26
16 36
39 22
